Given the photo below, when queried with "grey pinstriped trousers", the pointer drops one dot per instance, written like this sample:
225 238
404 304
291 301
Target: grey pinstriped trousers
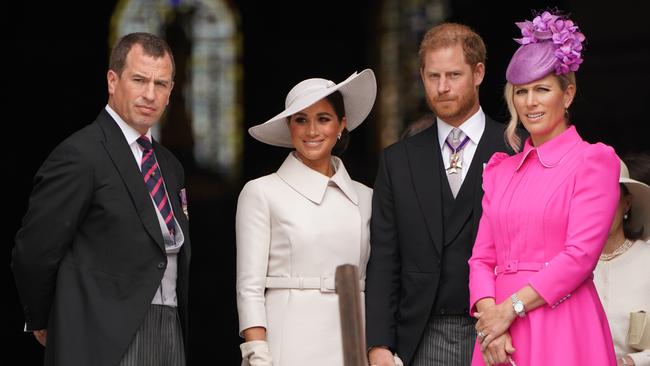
448 340
158 342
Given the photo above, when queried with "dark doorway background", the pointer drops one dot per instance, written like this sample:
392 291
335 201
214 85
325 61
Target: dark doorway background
53 83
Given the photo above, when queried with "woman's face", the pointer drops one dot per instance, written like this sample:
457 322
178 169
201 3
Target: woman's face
314 132
624 204
541 107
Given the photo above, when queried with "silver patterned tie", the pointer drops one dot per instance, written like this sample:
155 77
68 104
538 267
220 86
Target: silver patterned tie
454 172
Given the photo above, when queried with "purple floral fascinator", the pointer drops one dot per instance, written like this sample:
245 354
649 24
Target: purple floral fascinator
551 42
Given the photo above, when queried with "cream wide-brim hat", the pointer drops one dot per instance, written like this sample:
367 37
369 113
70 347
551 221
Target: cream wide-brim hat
640 208
359 92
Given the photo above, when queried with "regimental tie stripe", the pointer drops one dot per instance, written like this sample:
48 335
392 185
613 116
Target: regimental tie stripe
154 180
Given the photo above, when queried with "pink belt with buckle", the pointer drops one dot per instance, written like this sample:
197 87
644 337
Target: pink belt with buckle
514 266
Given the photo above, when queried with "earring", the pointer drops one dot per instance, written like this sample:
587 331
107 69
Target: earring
626 216
338 137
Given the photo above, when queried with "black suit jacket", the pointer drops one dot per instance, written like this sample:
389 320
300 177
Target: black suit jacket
407 238
90 256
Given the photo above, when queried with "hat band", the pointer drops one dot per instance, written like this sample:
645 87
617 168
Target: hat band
307 91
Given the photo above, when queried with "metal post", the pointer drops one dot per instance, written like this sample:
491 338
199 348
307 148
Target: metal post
352 323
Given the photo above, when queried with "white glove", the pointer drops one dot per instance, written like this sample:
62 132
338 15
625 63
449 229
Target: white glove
398 361
256 353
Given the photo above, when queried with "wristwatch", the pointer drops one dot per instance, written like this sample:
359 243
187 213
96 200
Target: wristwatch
518 306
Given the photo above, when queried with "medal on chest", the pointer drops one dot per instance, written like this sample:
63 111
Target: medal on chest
455 163
456 159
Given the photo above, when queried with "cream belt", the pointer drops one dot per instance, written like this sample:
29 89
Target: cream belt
322 283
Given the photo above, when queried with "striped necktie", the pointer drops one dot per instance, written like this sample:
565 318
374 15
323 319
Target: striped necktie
154 180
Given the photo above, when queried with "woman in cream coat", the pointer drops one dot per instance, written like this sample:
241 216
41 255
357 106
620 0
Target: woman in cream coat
621 276
295 226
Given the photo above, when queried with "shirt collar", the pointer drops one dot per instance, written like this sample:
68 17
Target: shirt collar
129 132
552 152
313 184
473 128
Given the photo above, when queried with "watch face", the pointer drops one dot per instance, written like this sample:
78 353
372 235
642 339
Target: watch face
519 307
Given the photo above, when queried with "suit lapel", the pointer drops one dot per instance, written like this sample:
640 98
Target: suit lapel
425 162
119 151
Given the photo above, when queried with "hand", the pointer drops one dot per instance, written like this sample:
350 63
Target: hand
499 350
625 360
493 321
256 353
381 356
41 336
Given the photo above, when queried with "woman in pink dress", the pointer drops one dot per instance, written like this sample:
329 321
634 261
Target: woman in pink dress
546 214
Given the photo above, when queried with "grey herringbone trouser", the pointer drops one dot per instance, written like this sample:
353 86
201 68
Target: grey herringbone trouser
158 342
448 340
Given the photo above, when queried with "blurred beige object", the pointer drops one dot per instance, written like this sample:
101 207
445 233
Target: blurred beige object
638 335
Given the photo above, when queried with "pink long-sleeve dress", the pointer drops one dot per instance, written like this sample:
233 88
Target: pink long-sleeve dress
546 215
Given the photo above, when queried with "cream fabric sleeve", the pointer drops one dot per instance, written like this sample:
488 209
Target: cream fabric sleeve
253 234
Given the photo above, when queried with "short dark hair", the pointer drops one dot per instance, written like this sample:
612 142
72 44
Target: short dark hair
152 45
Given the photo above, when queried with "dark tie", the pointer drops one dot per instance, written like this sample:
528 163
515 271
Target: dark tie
155 183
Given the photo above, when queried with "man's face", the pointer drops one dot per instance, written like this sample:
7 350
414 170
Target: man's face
451 85
141 93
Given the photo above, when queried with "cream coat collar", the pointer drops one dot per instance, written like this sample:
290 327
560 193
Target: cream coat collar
313 184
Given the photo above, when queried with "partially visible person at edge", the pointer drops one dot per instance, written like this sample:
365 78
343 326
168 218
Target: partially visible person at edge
425 213
418 125
295 226
101 261
621 275
638 164
546 214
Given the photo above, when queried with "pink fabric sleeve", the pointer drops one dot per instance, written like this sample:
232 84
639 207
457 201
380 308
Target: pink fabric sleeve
483 260
591 211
